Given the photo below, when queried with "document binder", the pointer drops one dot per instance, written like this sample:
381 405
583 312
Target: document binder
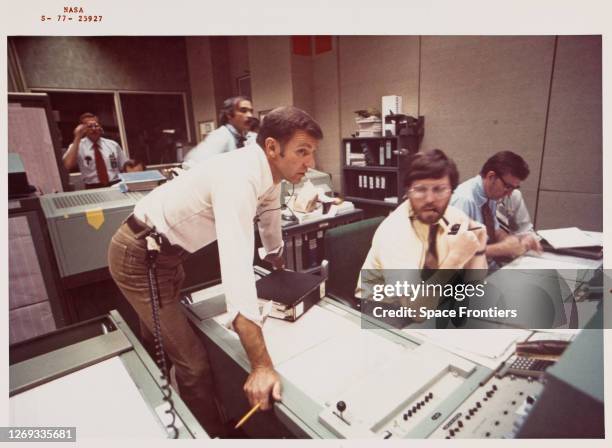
298 243
590 252
140 180
291 293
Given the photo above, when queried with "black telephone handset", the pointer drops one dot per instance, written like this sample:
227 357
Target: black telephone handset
454 229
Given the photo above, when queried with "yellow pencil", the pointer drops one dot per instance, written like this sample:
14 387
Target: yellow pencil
247 416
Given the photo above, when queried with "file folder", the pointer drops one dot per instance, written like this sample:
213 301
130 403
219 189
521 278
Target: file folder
291 293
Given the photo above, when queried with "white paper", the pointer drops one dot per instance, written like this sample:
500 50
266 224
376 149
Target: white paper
324 371
572 270
596 236
567 237
546 262
101 401
207 293
284 339
568 334
491 344
584 263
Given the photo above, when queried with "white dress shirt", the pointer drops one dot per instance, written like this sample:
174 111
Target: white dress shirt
219 200
221 140
113 156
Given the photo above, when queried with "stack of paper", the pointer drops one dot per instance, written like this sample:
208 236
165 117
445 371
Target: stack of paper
356 159
140 180
568 237
369 127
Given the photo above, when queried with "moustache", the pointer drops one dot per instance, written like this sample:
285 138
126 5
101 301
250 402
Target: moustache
427 208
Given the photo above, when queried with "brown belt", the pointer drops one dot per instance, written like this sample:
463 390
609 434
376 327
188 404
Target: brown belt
137 226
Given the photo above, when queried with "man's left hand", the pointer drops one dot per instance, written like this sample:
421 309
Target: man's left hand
277 261
530 242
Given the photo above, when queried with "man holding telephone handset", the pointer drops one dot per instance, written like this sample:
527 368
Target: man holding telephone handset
424 233
99 159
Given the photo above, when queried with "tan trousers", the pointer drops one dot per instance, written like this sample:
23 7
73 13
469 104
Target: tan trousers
127 264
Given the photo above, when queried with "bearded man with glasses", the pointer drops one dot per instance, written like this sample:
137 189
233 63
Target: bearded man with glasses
424 231
423 238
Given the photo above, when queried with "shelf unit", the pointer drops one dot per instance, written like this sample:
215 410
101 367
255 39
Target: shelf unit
305 243
383 174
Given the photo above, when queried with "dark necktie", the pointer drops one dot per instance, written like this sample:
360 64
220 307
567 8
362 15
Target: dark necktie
240 141
487 216
431 257
100 165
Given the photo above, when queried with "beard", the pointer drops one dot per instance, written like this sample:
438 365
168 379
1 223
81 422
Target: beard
429 213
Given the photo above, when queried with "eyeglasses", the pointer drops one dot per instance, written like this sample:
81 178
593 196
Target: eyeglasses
94 126
507 186
420 191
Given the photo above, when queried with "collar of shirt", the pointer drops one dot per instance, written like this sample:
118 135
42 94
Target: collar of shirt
479 193
88 144
421 228
267 184
233 130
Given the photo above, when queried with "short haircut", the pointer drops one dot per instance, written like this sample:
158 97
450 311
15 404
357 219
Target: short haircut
506 162
228 107
87 115
432 164
283 122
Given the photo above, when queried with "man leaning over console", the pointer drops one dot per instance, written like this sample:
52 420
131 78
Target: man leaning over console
195 209
420 233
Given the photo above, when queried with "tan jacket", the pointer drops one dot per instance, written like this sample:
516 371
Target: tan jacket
401 242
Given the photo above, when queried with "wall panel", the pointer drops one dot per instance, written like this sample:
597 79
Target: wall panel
482 94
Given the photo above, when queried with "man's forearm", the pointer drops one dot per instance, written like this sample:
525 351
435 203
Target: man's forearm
253 342
477 262
70 158
497 250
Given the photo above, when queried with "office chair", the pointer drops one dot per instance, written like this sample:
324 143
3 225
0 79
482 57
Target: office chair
346 248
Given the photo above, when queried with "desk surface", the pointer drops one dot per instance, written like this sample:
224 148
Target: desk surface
106 386
573 273
322 221
326 356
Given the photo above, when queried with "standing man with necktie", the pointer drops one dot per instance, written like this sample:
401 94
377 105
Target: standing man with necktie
234 124
419 234
501 174
99 159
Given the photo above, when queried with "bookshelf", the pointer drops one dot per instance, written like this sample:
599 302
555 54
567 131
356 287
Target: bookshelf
373 171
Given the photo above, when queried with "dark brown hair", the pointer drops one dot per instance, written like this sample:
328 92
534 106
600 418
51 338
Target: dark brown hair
228 107
506 162
87 115
432 164
283 122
